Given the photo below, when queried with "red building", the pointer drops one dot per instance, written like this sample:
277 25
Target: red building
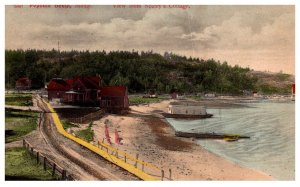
293 89
83 90
23 84
79 90
114 98
56 88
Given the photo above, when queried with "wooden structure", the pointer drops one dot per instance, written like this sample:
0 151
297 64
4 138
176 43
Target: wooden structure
47 163
174 95
88 118
210 135
114 98
83 90
56 88
23 83
78 91
186 110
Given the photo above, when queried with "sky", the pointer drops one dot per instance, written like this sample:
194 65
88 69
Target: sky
259 37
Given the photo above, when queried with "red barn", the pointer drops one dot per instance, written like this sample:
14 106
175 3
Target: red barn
23 84
114 98
83 90
56 88
79 90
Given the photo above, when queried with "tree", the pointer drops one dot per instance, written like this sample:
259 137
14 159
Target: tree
119 80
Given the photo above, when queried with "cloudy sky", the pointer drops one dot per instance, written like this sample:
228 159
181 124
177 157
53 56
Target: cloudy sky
259 37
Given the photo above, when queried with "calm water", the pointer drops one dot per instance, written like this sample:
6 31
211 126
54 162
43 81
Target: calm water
271 127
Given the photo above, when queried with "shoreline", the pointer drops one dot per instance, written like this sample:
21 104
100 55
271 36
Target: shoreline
146 132
269 177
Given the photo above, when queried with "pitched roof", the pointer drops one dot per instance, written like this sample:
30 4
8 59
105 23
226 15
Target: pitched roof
58 84
90 82
113 91
23 80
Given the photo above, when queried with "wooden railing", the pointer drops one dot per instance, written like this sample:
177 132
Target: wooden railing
88 118
47 163
122 162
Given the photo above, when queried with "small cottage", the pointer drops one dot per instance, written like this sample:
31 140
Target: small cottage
23 83
56 88
114 98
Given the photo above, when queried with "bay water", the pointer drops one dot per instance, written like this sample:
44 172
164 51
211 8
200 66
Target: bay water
271 127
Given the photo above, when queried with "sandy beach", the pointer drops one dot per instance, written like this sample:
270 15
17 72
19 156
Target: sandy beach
147 133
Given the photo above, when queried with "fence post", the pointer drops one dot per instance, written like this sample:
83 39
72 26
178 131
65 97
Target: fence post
162 175
142 165
45 160
31 150
170 173
136 160
53 169
23 142
117 154
125 158
37 157
63 175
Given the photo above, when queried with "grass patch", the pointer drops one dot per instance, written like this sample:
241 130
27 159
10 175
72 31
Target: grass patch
19 165
66 124
197 98
137 100
19 123
268 89
18 99
283 76
86 134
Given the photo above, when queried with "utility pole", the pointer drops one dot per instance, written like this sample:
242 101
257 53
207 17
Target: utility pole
58 50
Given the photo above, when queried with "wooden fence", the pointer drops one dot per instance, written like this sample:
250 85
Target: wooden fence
89 117
105 154
47 163
136 162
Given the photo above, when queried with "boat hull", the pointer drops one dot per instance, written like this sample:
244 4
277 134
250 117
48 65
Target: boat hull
184 116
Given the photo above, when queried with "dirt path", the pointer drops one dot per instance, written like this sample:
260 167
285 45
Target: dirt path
77 160
25 108
14 144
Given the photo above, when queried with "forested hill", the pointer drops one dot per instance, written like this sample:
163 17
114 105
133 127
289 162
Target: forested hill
140 71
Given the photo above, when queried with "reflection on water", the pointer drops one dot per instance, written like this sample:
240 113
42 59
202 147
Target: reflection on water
271 127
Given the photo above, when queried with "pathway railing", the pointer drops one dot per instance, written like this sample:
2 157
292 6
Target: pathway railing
47 163
110 156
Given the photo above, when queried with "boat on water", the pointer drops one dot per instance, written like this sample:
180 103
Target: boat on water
231 139
187 111
187 116
209 135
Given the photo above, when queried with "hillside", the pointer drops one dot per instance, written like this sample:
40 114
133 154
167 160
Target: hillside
141 71
268 82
